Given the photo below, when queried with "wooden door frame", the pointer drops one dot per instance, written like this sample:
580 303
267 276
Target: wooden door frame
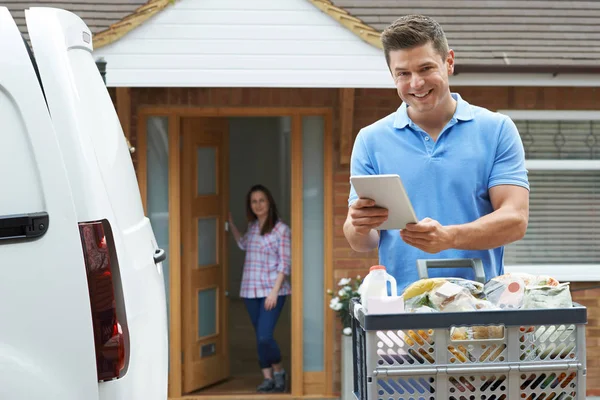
303 383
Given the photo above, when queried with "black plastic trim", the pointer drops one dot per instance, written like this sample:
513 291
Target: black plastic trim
159 255
35 68
24 226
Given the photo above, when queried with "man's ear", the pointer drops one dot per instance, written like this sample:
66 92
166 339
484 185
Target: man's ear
450 62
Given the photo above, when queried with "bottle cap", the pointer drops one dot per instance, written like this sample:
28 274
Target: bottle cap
374 267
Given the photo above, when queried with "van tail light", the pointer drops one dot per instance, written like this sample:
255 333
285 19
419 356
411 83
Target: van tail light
106 299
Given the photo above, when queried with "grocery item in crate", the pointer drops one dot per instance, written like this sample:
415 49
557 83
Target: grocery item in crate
522 290
426 285
477 332
374 293
445 294
558 296
505 291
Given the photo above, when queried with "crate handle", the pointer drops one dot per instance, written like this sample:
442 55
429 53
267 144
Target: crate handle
475 263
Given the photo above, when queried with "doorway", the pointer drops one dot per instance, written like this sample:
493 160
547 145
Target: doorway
164 182
257 151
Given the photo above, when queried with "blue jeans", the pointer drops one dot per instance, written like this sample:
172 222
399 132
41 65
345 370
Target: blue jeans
264 324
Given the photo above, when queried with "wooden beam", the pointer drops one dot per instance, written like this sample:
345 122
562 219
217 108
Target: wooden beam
328 196
124 110
175 345
355 25
346 96
297 282
315 383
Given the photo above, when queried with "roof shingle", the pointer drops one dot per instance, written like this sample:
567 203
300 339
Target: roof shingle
501 35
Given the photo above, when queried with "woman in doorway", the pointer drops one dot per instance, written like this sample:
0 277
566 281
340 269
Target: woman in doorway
264 280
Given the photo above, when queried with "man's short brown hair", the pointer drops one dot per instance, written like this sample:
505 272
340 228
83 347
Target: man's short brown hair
411 31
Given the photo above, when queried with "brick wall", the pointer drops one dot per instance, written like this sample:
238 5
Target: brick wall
371 105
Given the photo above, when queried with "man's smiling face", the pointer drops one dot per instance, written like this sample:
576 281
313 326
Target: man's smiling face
421 76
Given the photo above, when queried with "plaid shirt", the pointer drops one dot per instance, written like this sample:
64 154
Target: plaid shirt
266 257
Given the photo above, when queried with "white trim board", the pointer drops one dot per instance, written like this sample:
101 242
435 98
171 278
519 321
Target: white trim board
525 79
564 273
552 115
149 76
563 165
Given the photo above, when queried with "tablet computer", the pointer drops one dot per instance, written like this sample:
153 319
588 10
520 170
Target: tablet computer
388 192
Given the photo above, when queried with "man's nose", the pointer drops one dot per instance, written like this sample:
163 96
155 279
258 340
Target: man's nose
416 81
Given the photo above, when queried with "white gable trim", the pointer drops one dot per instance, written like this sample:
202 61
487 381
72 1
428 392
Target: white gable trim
265 43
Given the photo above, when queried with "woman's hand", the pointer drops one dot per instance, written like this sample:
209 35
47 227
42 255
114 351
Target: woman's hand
236 233
271 301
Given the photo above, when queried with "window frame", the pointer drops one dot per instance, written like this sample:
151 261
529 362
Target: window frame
562 272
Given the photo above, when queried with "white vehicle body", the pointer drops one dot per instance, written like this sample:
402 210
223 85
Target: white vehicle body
65 164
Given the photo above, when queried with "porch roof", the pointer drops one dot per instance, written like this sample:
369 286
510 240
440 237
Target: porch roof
109 20
491 36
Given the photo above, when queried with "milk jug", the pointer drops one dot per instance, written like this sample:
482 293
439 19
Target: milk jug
375 285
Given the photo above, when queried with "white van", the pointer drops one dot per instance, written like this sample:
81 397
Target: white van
82 300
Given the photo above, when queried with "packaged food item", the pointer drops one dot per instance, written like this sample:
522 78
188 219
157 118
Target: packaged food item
532 280
505 291
548 296
445 294
488 332
508 291
477 332
450 297
374 286
474 287
418 303
422 286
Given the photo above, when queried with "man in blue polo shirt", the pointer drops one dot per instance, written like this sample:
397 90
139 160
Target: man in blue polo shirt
463 166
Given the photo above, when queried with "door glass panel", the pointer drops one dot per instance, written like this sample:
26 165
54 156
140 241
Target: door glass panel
207 312
312 236
207 241
207 170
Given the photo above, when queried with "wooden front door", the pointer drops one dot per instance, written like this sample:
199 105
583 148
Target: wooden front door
204 187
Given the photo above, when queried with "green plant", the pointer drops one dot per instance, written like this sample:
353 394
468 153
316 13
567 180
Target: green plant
340 300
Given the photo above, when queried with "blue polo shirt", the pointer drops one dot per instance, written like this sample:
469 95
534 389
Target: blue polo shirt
447 180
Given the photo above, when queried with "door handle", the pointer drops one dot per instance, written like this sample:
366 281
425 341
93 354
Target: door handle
23 226
159 256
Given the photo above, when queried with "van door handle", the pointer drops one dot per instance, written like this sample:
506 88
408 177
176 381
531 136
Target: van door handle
159 256
23 226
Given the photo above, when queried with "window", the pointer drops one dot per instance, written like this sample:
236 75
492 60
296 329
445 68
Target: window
562 150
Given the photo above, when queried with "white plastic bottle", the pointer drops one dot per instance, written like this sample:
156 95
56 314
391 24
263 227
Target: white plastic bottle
375 285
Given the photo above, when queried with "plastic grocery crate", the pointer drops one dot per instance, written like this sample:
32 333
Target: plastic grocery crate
483 355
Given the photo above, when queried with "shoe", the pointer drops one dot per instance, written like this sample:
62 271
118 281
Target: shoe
279 381
267 386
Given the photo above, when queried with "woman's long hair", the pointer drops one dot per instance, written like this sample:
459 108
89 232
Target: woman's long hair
273 216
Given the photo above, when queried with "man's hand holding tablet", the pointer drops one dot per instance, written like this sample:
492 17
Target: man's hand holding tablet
387 192
384 205
365 215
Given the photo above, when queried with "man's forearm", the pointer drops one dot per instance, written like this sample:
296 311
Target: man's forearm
496 229
360 242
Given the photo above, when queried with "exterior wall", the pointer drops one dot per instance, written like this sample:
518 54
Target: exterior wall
370 105
241 43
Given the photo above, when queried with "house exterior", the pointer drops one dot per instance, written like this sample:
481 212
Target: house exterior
183 73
